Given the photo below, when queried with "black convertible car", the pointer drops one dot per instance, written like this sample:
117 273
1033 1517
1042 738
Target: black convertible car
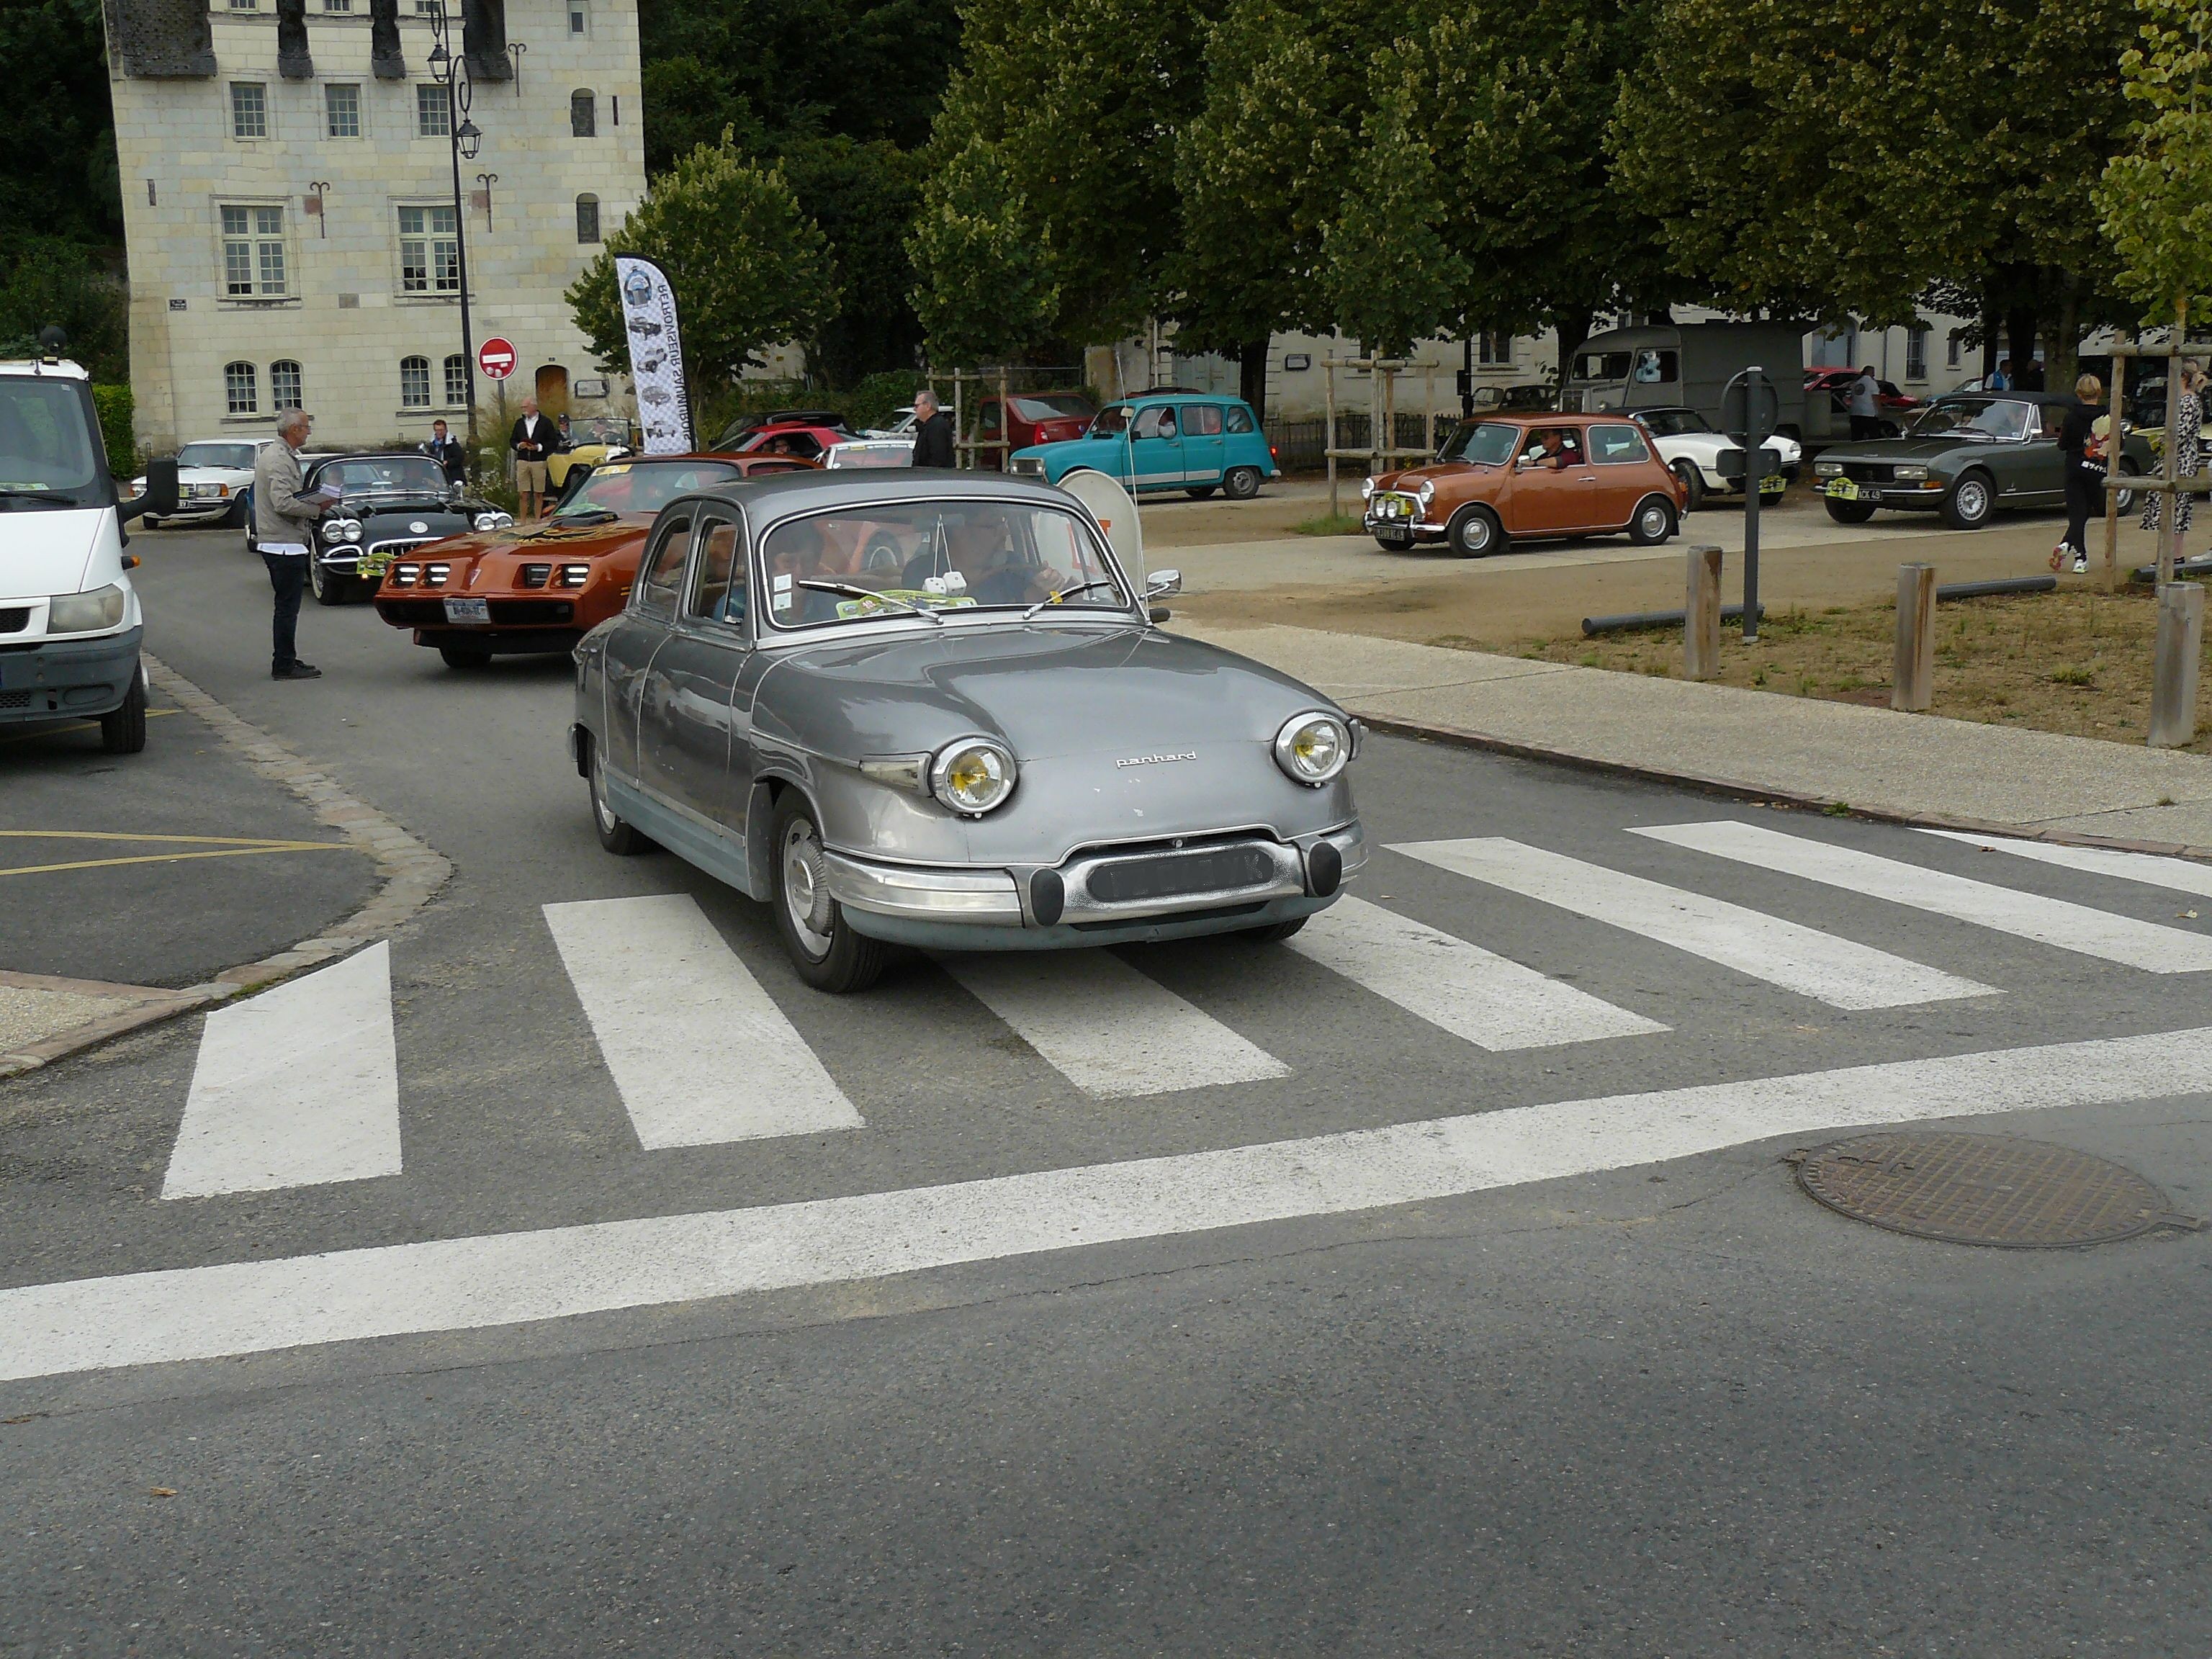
388 505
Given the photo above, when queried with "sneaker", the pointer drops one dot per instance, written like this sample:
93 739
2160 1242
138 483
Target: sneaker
2080 564
2058 554
298 671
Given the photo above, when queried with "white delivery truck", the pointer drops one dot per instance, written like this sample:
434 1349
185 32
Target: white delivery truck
70 622
1687 366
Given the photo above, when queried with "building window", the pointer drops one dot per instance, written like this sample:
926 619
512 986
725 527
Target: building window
433 112
342 110
583 115
457 381
243 5
1916 352
414 383
430 251
1494 350
249 110
1951 350
587 218
580 20
428 8
253 252
337 5
286 389
239 389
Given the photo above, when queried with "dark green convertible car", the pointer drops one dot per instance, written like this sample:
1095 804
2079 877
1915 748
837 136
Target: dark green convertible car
1967 456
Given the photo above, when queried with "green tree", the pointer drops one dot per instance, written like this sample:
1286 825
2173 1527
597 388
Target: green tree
751 270
2156 199
864 194
1388 274
43 280
59 128
984 286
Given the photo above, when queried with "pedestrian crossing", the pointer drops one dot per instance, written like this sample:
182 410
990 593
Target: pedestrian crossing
300 1086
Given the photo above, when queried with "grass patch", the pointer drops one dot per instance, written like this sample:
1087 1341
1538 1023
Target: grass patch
1329 524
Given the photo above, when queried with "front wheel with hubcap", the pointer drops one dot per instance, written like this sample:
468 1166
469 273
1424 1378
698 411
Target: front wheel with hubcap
1241 484
1693 485
829 955
1968 504
1654 522
617 834
1474 532
124 731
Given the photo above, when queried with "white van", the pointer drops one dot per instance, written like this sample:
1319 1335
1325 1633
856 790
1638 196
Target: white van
70 622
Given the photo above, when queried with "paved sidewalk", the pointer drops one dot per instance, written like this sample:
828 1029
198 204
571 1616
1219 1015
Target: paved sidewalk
1915 766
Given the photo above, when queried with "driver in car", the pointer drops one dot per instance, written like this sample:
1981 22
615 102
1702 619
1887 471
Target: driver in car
1555 449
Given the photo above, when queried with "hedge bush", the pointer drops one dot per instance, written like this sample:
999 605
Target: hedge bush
116 411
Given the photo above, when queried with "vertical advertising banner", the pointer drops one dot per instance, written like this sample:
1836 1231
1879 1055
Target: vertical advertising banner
656 354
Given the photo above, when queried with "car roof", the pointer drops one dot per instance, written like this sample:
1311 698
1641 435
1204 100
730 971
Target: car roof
785 494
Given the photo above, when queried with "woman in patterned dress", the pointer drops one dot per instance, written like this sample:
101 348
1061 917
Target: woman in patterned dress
2188 456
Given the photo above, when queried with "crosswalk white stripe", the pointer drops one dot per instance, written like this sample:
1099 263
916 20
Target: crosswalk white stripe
1108 1029
2050 922
2151 869
1837 971
700 1053
295 1087
1493 1002
470 1283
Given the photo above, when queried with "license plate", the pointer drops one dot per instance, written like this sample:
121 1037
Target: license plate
477 611
1843 490
1773 484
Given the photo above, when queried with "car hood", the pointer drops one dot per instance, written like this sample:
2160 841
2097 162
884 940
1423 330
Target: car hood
1440 472
1904 449
46 551
545 540
1045 689
386 507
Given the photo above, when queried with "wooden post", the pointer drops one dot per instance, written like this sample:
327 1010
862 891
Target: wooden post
1701 615
1912 677
2180 650
1328 392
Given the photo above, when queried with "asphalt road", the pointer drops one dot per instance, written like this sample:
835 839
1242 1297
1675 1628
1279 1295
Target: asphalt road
1650 1408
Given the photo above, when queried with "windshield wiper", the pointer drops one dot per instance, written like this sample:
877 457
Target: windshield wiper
45 497
1064 593
852 593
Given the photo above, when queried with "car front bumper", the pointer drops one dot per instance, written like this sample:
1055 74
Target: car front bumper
1926 497
68 677
1056 908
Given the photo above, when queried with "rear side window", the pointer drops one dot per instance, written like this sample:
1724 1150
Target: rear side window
717 581
1239 418
663 570
1205 420
1616 443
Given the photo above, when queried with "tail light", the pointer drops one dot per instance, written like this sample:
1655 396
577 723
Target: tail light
1273 453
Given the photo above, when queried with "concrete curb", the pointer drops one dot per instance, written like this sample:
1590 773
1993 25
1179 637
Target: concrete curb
412 872
1737 789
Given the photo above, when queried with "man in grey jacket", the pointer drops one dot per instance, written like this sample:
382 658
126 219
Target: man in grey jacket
284 526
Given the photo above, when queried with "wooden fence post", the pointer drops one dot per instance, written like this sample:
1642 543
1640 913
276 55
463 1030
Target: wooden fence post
1701 615
1912 677
2179 650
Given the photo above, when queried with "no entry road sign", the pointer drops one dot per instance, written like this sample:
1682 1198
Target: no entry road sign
496 357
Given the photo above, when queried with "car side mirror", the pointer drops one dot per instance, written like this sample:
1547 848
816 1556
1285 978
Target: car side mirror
160 497
1162 583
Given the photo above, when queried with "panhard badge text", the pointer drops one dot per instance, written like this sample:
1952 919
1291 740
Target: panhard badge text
1156 760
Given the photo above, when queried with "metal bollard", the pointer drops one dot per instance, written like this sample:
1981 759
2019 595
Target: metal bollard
1701 615
1912 675
2179 651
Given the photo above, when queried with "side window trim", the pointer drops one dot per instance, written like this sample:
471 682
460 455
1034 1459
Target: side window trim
678 529
740 557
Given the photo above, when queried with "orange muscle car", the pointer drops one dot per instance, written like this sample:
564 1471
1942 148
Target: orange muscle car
1527 477
542 586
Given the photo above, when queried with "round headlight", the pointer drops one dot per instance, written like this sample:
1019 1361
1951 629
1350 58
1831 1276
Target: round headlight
972 775
1426 492
352 528
1313 747
1366 489
493 520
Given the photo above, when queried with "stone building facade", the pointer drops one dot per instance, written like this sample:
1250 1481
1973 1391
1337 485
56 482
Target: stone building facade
287 196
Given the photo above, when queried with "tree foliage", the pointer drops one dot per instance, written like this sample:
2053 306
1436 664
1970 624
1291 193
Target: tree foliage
2156 199
1389 276
750 268
983 266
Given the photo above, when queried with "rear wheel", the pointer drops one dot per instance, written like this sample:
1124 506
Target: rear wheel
1970 503
821 945
1849 512
616 832
1654 522
1693 485
2128 470
124 731
1241 484
465 654
1474 532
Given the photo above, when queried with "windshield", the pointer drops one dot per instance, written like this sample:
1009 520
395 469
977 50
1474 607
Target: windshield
1485 443
1601 365
238 457
597 430
640 489
1672 422
384 475
47 448
1985 417
941 555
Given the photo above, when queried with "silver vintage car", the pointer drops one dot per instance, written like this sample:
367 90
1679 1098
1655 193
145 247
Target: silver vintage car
925 709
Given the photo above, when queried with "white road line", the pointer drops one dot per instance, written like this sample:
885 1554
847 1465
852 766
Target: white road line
2151 869
1836 971
295 1087
1107 1028
2050 922
1491 1001
700 1052
510 1279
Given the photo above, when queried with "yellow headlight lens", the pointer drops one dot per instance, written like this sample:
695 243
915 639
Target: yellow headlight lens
1313 747
972 777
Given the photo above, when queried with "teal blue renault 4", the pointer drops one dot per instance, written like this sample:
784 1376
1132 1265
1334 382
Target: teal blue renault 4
1186 440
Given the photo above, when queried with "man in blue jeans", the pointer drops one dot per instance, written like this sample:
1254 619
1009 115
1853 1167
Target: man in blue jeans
284 526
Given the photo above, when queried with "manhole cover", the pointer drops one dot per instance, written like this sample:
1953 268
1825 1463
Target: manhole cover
1984 1189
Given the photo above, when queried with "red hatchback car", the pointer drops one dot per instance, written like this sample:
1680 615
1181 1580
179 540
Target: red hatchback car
1031 418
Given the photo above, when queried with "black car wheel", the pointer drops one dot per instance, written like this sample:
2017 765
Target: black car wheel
616 832
1202 495
1474 532
1273 933
1693 485
829 955
465 654
1241 484
328 586
124 731
2128 470
1970 503
235 518
1654 522
1848 512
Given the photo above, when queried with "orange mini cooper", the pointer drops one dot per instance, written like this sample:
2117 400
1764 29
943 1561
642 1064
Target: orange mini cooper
542 586
1528 478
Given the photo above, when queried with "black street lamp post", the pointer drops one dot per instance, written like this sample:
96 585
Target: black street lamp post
450 69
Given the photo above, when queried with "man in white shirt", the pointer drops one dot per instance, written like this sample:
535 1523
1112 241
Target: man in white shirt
284 526
1865 406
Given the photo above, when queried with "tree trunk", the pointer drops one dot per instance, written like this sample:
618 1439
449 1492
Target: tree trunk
1252 375
1989 352
1574 328
2019 339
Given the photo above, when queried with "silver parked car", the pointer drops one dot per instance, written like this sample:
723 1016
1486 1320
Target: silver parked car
935 712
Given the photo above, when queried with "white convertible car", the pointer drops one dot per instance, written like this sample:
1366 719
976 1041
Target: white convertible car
1691 450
